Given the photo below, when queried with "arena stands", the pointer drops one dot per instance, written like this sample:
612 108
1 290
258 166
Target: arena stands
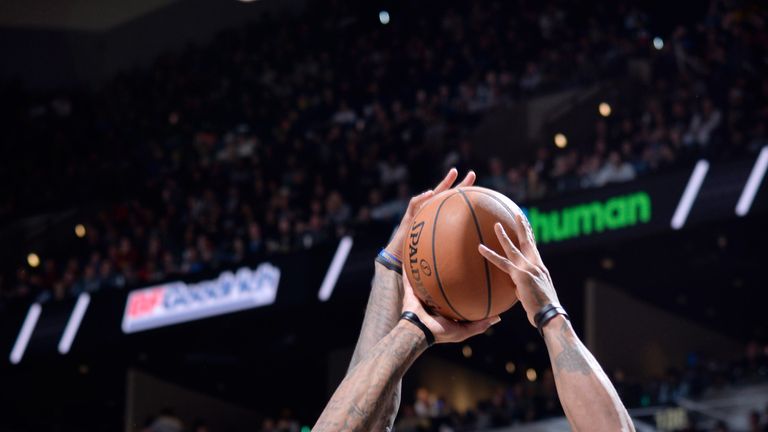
229 139
286 135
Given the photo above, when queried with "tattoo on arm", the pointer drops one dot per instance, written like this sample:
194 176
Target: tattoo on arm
571 358
381 314
359 402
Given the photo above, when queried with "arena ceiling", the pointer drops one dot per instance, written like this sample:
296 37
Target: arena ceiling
84 15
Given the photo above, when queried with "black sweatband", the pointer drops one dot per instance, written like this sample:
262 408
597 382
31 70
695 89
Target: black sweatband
389 264
546 314
412 317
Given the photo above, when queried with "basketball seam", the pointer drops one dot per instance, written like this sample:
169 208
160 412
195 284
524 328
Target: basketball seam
503 204
434 259
485 262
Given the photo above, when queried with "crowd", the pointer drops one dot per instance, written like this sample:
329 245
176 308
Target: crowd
527 401
291 132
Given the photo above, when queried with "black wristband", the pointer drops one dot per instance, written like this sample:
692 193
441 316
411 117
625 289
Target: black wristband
412 317
389 264
546 314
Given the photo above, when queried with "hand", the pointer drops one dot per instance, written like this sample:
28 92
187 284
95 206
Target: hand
444 329
524 265
395 246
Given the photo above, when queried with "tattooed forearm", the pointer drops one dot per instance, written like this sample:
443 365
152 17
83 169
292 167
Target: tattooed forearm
381 315
570 359
589 400
382 312
359 402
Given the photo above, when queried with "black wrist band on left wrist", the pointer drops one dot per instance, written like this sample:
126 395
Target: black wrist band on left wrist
413 318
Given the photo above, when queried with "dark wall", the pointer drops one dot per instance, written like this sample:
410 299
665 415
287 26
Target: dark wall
52 58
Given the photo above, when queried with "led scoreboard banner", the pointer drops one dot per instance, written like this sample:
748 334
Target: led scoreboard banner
582 219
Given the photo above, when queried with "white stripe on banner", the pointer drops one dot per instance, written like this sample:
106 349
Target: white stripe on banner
74 322
26 332
339 258
690 193
753 183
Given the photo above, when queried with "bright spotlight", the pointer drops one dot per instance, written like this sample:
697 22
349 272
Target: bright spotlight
33 260
658 43
604 109
384 17
560 140
510 367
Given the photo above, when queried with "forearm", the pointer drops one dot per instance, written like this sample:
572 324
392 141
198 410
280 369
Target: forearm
381 316
361 399
589 399
382 312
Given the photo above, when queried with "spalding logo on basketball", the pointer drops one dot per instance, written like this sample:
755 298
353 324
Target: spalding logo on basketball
441 259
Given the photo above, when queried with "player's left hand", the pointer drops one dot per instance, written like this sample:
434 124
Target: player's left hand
444 329
395 246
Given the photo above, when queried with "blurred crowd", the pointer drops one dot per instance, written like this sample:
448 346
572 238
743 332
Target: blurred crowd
291 132
527 401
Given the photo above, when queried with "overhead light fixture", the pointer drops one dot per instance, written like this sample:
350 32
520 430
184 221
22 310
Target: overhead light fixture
560 140
384 17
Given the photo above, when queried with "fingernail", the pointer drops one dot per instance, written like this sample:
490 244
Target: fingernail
496 320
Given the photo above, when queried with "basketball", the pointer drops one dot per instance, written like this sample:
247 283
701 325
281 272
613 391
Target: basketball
442 262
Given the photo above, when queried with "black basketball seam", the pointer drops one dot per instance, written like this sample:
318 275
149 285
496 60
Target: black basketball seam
485 262
506 207
434 259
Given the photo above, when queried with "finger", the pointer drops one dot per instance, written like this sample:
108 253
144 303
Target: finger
499 261
447 181
469 180
525 237
512 252
418 201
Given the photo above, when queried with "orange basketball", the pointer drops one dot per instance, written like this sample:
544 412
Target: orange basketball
440 254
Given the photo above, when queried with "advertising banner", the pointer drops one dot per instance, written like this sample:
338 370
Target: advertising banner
177 302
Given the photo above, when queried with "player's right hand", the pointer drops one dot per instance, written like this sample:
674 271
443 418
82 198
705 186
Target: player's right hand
444 329
524 265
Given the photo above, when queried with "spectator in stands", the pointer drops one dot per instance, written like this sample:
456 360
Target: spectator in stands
704 125
721 426
613 170
304 169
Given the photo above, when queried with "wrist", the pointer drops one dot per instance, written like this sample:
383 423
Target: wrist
394 249
389 261
415 321
546 314
554 325
413 332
